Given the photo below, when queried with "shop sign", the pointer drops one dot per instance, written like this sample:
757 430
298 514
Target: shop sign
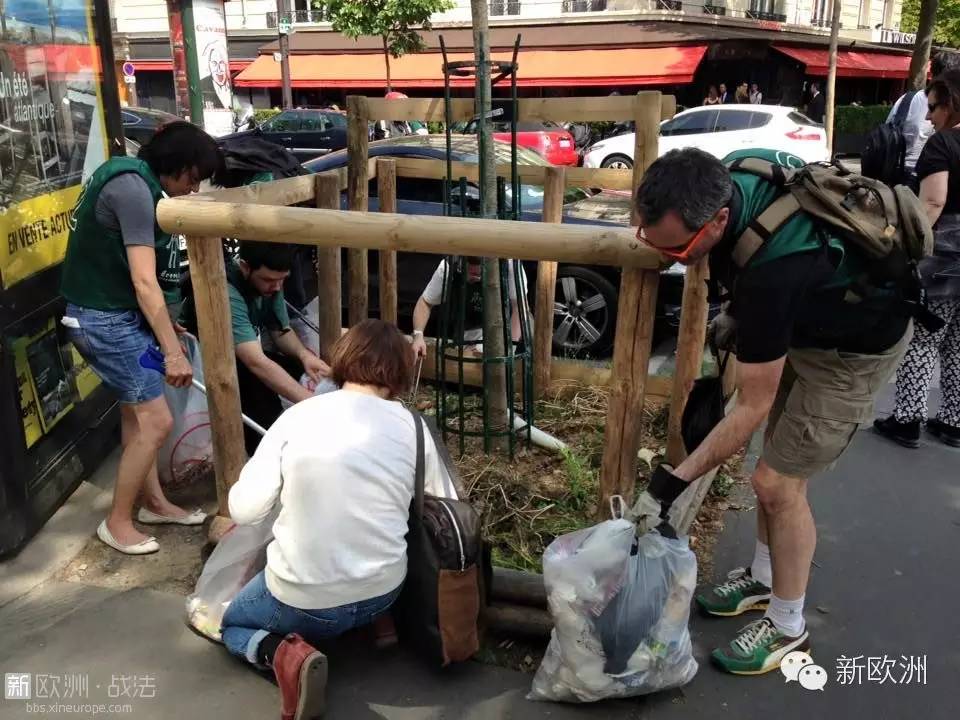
888 36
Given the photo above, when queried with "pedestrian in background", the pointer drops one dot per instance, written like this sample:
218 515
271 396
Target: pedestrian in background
938 170
756 97
119 274
743 96
817 106
713 97
724 96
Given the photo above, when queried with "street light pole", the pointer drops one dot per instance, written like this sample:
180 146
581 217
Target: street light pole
284 25
832 74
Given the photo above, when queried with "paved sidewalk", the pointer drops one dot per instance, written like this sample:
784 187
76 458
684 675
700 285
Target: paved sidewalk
886 578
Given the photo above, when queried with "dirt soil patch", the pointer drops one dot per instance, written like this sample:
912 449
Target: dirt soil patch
175 568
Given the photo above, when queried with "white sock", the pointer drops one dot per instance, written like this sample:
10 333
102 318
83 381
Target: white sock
787 615
760 568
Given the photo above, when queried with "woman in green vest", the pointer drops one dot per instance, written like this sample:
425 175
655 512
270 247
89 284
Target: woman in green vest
120 273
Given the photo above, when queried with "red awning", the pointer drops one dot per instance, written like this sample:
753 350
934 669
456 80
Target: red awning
851 63
544 68
167 65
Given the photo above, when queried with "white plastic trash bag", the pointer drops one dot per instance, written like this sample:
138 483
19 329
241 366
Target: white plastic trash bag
620 607
190 443
238 557
317 388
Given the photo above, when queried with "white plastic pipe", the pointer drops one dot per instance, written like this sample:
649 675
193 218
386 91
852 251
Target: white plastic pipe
538 436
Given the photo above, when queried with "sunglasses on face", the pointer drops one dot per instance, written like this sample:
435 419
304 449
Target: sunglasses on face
677 253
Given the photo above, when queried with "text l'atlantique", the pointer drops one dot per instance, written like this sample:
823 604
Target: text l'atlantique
18 88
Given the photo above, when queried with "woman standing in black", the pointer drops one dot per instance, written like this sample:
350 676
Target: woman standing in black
938 170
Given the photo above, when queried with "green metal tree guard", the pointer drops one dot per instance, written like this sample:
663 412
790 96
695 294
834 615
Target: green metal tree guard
459 411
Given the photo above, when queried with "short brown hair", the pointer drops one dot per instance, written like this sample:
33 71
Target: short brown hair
373 352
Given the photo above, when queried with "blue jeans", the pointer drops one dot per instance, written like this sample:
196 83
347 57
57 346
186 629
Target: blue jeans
255 613
111 341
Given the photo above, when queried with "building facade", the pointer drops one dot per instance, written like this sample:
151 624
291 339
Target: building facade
730 31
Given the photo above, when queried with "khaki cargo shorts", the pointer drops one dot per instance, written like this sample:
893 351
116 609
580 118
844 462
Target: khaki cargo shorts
823 397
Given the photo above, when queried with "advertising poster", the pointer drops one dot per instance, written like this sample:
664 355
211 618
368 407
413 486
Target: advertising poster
214 66
51 129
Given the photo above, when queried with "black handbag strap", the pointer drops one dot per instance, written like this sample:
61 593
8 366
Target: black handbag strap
421 470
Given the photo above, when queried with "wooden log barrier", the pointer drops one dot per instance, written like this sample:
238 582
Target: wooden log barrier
518 620
518 587
358 141
329 291
220 366
387 195
566 243
546 285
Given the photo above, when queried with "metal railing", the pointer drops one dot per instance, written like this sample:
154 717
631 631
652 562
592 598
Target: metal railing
580 6
298 17
499 8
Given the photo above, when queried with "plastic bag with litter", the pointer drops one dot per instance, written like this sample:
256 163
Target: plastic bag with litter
620 606
238 557
190 442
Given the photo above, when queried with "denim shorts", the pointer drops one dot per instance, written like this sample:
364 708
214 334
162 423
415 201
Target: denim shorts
111 341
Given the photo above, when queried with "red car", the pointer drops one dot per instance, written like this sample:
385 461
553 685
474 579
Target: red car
548 139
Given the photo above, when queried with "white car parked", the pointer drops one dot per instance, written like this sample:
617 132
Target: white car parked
719 130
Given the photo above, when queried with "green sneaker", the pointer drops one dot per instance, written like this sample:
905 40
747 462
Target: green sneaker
758 648
737 595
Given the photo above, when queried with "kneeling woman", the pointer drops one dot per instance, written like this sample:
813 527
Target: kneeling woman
340 467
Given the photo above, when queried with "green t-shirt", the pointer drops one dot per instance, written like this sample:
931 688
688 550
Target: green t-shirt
251 313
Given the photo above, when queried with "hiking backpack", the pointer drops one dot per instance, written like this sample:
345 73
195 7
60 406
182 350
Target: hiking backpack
885 151
888 225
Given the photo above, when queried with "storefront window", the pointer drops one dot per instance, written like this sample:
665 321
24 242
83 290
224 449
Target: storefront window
52 133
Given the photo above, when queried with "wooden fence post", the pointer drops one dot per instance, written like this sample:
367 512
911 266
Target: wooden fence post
358 142
329 292
387 196
553 190
690 340
636 309
220 369
668 106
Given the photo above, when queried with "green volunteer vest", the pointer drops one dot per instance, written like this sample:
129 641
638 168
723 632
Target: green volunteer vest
95 271
800 234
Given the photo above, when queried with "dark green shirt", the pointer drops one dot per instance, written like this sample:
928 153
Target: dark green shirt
95 271
250 312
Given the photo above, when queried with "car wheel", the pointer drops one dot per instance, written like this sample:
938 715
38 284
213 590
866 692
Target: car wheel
617 162
584 313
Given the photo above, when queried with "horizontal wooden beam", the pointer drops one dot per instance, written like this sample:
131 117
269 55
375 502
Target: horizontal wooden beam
566 376
288 191
607 178
591 244
572 109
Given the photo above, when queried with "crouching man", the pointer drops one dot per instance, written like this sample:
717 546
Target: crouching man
255 289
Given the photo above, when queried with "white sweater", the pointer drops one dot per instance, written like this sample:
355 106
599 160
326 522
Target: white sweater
342 466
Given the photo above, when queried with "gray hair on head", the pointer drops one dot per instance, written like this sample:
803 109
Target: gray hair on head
689 182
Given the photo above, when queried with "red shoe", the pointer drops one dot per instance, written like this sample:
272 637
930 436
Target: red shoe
301 672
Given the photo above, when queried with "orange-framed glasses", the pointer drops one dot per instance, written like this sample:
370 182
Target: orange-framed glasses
678 253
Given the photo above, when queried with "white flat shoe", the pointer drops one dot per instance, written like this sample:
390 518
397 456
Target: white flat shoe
151 518
145 547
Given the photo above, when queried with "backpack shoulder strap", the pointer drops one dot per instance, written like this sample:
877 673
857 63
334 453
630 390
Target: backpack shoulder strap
770 171
904 109
421 465
763 227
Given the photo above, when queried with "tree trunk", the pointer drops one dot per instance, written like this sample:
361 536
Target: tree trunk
495 385
386 60
830 90
921 51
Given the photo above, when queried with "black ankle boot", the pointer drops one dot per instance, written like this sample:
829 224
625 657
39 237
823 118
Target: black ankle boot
906 434
947 434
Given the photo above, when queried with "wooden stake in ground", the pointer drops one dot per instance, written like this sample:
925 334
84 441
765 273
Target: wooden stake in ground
358 142
831 88
634 339
495 385
690 341
555 182
387 197
220 369
329 292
